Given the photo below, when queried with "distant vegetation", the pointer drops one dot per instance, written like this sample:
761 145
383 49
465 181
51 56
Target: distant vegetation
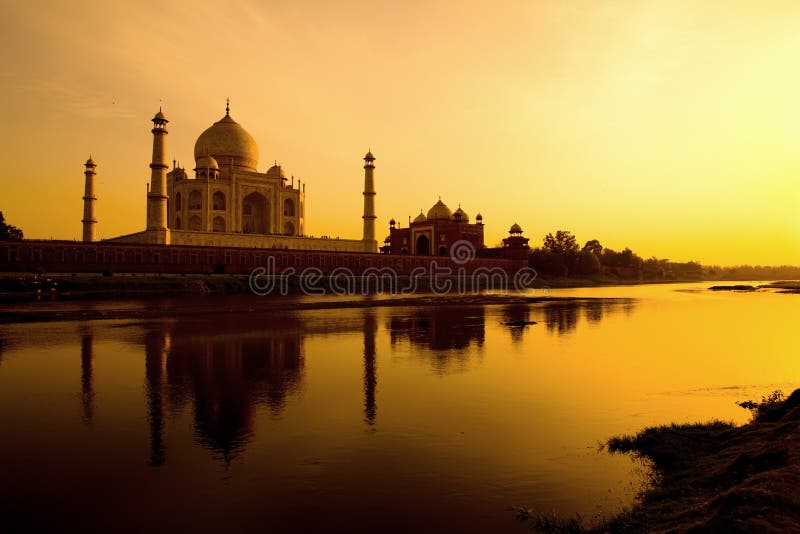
561 256
7 231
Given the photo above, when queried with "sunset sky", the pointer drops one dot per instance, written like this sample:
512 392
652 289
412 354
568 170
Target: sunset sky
672 127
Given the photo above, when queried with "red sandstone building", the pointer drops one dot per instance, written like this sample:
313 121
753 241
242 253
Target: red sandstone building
438 232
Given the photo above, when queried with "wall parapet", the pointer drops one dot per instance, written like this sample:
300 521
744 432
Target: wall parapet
68 257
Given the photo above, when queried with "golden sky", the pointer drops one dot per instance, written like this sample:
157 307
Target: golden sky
672 127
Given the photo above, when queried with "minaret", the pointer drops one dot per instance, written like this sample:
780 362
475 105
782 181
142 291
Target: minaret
369 203
89 199
157 194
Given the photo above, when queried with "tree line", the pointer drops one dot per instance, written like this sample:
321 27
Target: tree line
560 255
8 232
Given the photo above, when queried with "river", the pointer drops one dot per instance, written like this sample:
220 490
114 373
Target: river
365 419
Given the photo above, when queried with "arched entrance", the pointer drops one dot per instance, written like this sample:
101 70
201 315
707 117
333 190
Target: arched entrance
255 214
288 228
218 201
195 200
288 207
423 246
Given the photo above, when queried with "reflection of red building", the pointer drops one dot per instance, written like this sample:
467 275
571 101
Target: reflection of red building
435 233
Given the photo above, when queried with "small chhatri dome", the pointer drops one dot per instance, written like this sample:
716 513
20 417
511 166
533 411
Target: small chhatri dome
276 172
227 141
479 217
159 117
515 229
369 156
420 217
207 162
439 211
392 222
90 162
388 239
460 215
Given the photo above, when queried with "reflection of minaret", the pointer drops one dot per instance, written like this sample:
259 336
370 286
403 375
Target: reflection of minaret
87 382
154 366
370 378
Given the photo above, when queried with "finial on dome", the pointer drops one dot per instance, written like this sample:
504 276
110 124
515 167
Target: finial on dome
227 107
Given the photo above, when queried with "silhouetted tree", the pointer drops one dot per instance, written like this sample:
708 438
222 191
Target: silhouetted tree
546 263
8 232
629 260
562 243
609 258
563 248
594 247
587 262
655 268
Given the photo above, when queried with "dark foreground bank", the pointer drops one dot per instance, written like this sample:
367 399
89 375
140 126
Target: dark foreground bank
711 477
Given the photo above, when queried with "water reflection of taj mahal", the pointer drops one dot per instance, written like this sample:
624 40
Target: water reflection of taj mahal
226 375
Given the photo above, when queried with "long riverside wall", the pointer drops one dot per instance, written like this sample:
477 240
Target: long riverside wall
104 257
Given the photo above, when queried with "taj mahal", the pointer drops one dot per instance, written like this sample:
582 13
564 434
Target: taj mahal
225 201
226 217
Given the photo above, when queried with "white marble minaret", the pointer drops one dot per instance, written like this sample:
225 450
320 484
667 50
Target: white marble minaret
157 194
369 202
89 221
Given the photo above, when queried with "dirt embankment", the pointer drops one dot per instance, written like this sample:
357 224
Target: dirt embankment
708 477
718 478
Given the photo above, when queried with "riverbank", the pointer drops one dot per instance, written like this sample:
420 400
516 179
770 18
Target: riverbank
712 477
26 286
152 308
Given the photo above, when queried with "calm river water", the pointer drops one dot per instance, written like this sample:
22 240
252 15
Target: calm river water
369 419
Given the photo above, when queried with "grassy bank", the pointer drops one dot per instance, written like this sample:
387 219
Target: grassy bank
711 477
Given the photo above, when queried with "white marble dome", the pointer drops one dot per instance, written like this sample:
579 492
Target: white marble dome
226 141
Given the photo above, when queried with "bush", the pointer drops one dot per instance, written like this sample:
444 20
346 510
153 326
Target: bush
762 411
